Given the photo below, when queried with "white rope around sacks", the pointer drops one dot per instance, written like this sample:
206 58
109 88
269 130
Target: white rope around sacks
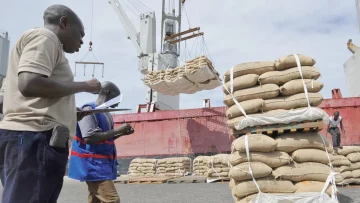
302 78
212 166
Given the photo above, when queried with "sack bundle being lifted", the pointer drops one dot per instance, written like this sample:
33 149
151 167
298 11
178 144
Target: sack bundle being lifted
218 167
348 164
195 75
287 168
268 92
142 167
176 166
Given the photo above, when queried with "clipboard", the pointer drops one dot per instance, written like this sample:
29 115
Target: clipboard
101 110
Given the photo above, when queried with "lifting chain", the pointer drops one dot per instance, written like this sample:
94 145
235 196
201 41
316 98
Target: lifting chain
90 48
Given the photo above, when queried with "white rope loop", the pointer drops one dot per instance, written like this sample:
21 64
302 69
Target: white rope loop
302 78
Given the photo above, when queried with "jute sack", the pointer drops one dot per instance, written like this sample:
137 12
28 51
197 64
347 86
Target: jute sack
268 91
350 181
292 102
219 159
348 149
354 166
257 143
303 172
354 157
355 173
290 142
241 171
249 106
296 86
340 160
311 155
289 61
267 185
342 169
312 186
242 82
273 159
257 68
282 77
246 199
346 174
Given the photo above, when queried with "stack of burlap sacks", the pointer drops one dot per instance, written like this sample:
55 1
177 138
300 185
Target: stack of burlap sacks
195 75
142 167
213 167
176 166
290 163
270 87
347 164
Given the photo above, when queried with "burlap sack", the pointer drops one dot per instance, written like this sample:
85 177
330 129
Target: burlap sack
354 157
311 186
249 106
346 174
342 169
289 61
355 173
257 68
282 77
259 92
267 185
246 199
340 160
350 181
218 175
242 82
292 102
354 166
257 143
273 159
290 142
303 172
241 171
296 86
311 155
219 159
345 150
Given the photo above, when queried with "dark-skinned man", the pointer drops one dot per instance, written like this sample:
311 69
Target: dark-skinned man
333 129
93 153
39 109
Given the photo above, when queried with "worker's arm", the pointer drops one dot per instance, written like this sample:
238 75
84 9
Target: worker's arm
39 57
92 134
1 103
342 127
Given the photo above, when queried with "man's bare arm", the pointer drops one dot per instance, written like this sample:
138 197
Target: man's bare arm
341 126
97 137
1 103
37 85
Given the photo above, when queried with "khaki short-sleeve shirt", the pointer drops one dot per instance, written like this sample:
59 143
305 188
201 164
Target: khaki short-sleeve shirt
38 51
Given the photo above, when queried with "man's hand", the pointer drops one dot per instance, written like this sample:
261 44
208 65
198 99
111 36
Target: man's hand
94 86
124 129
80 115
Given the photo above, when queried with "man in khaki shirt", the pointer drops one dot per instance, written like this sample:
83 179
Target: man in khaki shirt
39 101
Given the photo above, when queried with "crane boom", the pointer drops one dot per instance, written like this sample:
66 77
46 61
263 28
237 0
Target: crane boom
129 27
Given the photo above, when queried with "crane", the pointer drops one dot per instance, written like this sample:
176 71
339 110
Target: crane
144 42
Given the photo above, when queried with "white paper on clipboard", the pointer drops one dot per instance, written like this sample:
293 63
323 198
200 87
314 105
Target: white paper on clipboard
111 102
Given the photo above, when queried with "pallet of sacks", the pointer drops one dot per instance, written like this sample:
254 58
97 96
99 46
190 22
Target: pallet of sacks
175 166
347 164
142 167
218 167
272 92
291 165
200 166
195 75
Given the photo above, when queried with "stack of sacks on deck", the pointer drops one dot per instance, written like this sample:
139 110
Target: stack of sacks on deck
195 75
272 88
218 166
200 165
348 164
290 163
142 167
175 166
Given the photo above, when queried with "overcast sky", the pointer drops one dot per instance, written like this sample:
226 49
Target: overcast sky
236 31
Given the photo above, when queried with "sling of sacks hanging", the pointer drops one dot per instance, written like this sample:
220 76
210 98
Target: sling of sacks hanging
291 163
347 164
271 88
176 166
142 167
195 75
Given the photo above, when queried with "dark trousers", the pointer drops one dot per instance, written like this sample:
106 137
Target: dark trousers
31 171
335 134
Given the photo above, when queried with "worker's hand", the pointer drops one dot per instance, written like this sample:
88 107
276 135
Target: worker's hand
124 129
94 86
80 115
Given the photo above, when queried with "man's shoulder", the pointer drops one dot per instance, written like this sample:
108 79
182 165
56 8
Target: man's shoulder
40 32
